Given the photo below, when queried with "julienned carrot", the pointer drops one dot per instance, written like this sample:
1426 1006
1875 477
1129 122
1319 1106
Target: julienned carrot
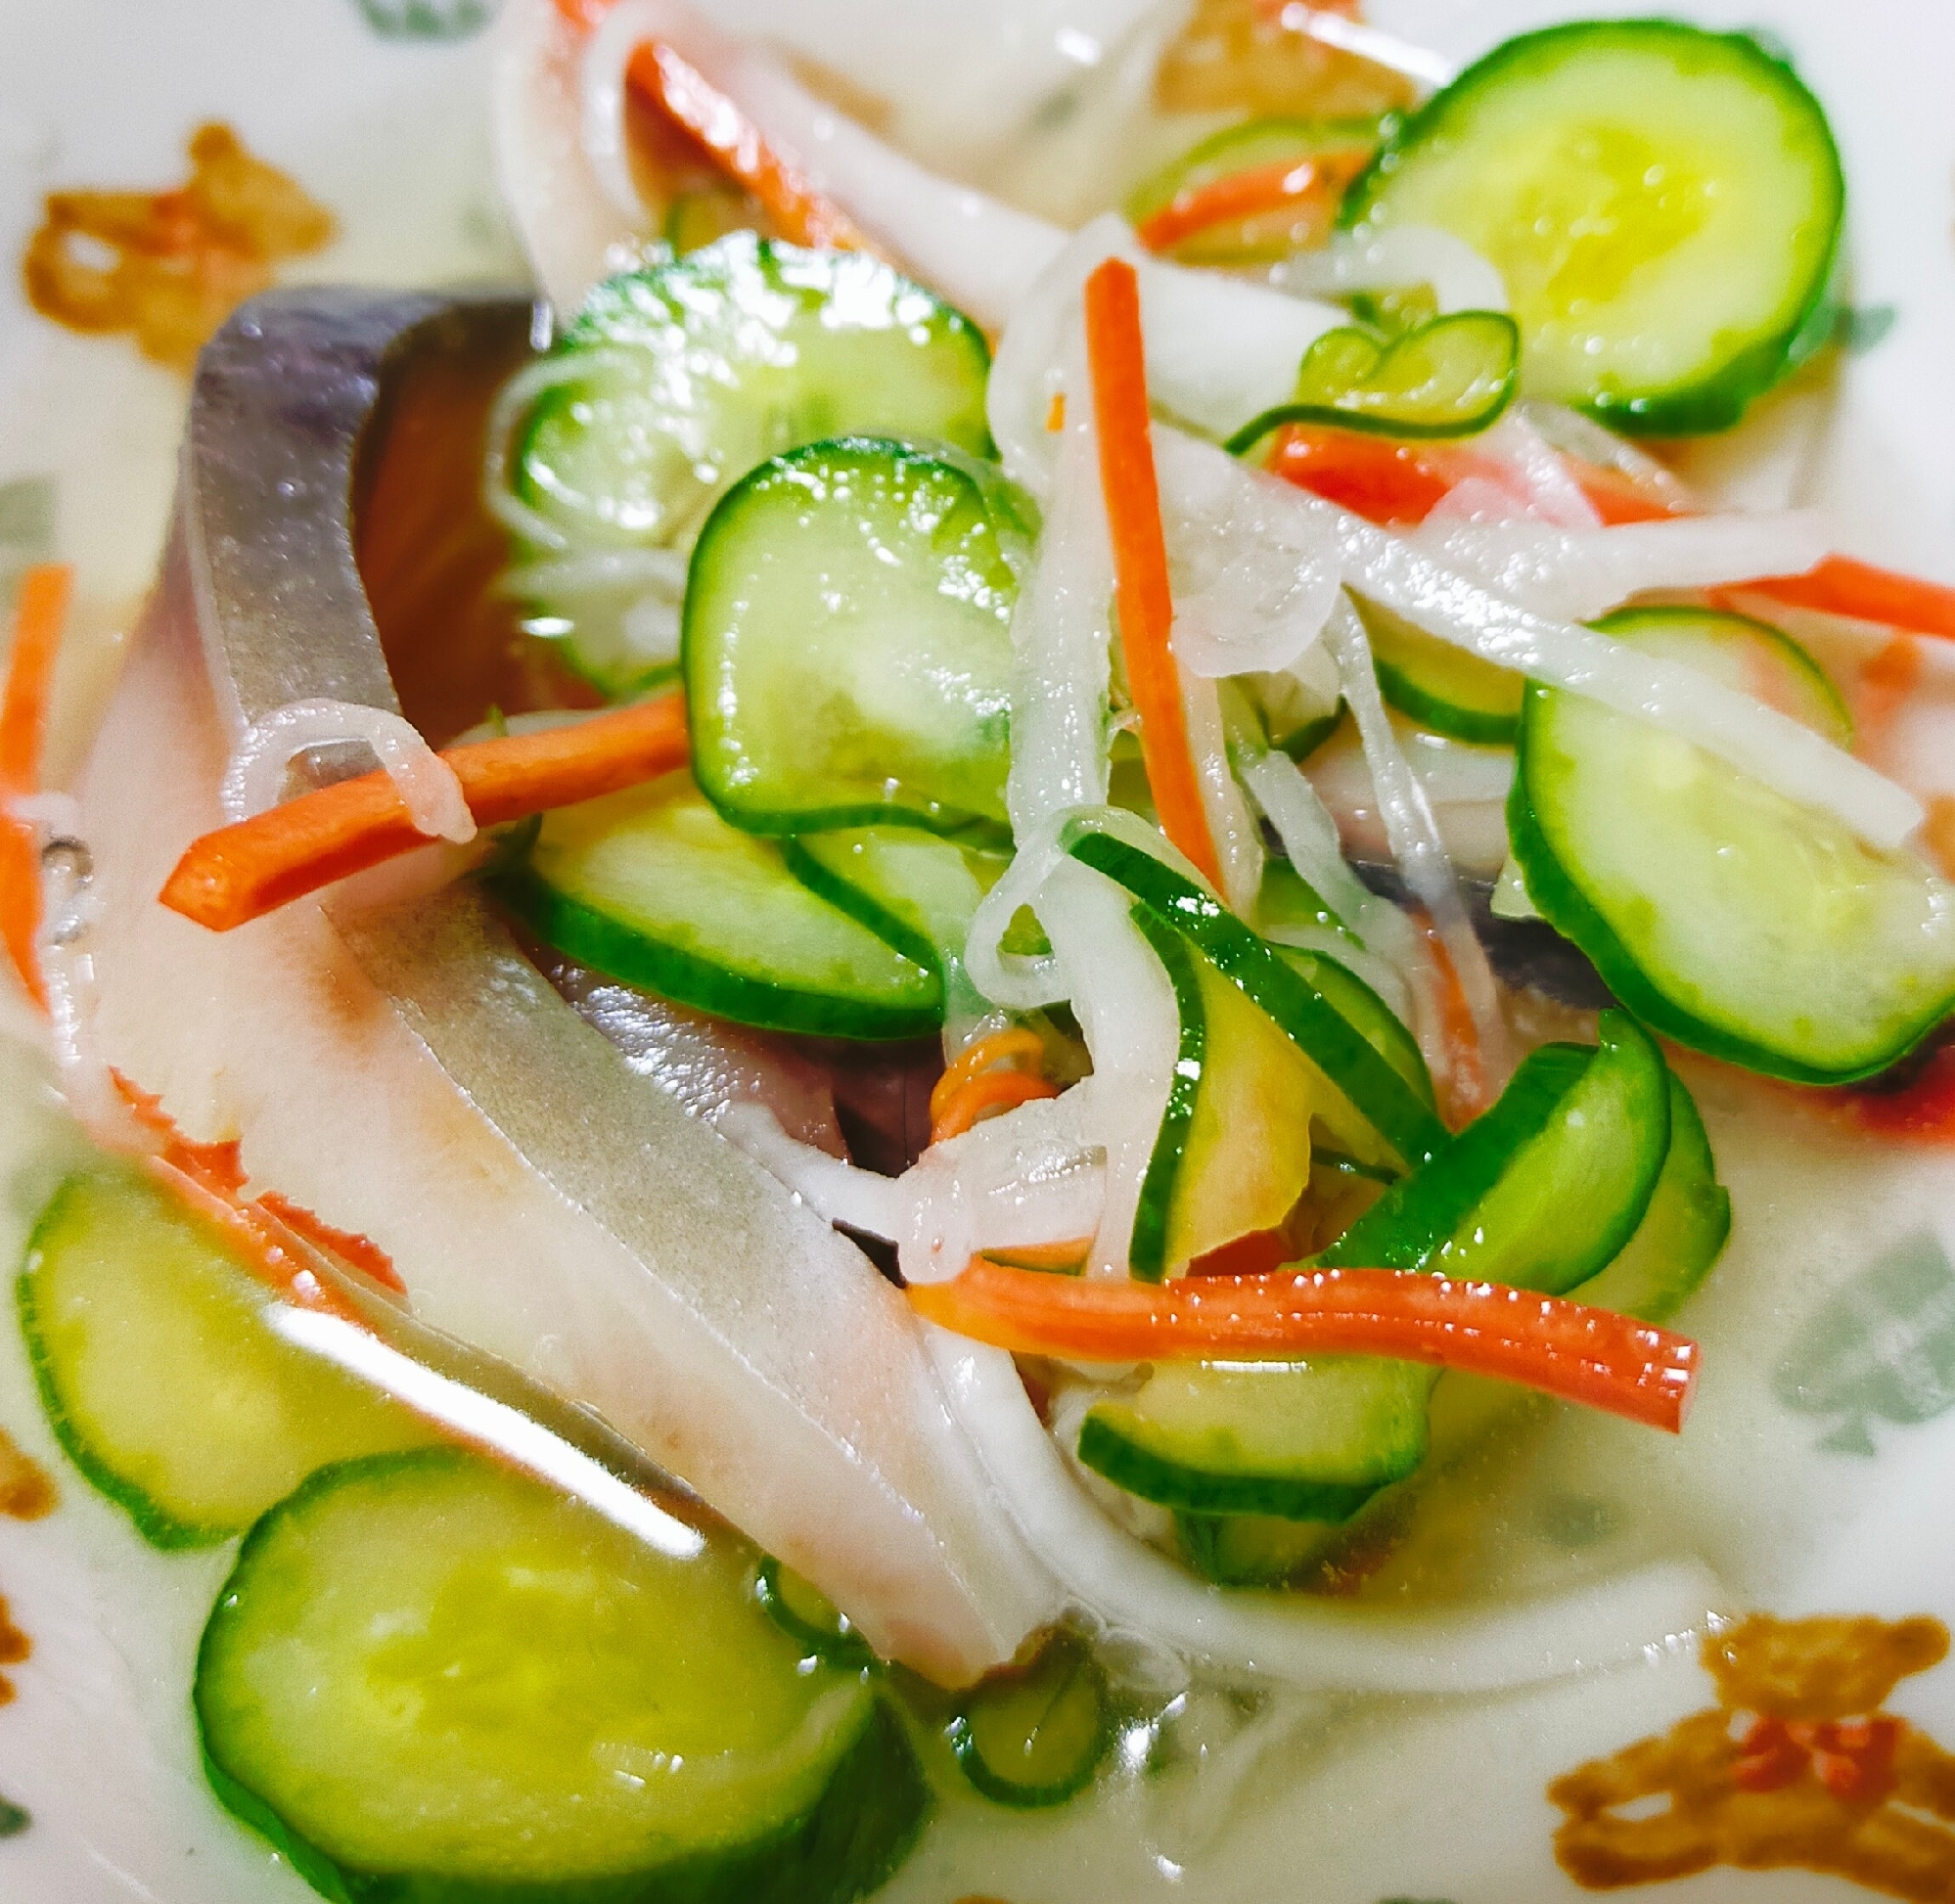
1290 182
988 1091
692 102
41 612
240 871
1857 590
1115 353
995 1048
1592 1356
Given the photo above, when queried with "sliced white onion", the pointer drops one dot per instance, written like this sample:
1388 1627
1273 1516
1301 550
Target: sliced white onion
838 1190
1309 838
1252 583
574 233
1757 740
661 572
1574 575
512 406
1018 982
1125 1006
1331 27
1219 350
1031 1177
1416 846
1396 256
1140 1594
1552 493
427 785
1239 850
1578 436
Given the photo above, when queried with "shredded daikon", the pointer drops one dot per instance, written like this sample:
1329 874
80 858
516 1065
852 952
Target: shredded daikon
1133 1590
1231 825
1423 861
428 786
838 1190
512 404
1387 260
1752 737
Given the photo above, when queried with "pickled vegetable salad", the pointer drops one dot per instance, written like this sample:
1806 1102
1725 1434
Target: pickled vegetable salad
1015 691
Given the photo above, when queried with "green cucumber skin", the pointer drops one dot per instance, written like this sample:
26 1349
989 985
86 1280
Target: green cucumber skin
863 1825
1323 1034
1413 1219
976 1768
159 1528
1564 905
585 934
1718 400
840 1648
1232 1551
845 896
714 766
1170 1484
1683 1230
1443 716
1148 1252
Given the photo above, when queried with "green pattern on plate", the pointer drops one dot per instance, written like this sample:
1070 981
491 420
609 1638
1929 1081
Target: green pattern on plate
427 20
1884 1346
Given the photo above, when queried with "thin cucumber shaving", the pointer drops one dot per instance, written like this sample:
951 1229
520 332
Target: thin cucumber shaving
847 655
1442 687
1034 1736
161 1375
653 888
1234 1150
1451 376
429 1678
675 380
1366 1103
1721 913
1664 204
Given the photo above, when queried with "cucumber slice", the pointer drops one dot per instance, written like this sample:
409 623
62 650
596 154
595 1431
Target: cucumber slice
1238 152
159 1374
653 888
846 648
429 1678
1299 1441
1250 1549
809 1616
1452 377
1373 1110
1545 1189
913 891
1441 687
1374 1020
1234 1150
1723 915
691 372
1682 1233
1034 1736
1664 205
1287 899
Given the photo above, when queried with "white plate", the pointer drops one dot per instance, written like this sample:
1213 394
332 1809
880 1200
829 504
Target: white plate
1338 1807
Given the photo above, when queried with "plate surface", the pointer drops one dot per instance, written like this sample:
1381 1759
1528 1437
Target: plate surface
1816 1472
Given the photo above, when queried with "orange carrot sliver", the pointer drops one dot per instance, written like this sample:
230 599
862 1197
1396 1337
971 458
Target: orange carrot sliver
1592 1356
242 870
1246 195
1016 1041
988 1091
1116 355
40 613
1857 590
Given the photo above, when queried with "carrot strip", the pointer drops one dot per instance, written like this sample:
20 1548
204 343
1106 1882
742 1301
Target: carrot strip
1466 1061
1860 592
1592 1356
686 97
1394 484
1115 353
1289 182
242 870
997 1048
41 612
993 1090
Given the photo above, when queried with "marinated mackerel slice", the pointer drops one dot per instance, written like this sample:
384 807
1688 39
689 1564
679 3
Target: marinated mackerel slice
161 1376
1664 205
847 652
429 1677
653 888
1722 914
